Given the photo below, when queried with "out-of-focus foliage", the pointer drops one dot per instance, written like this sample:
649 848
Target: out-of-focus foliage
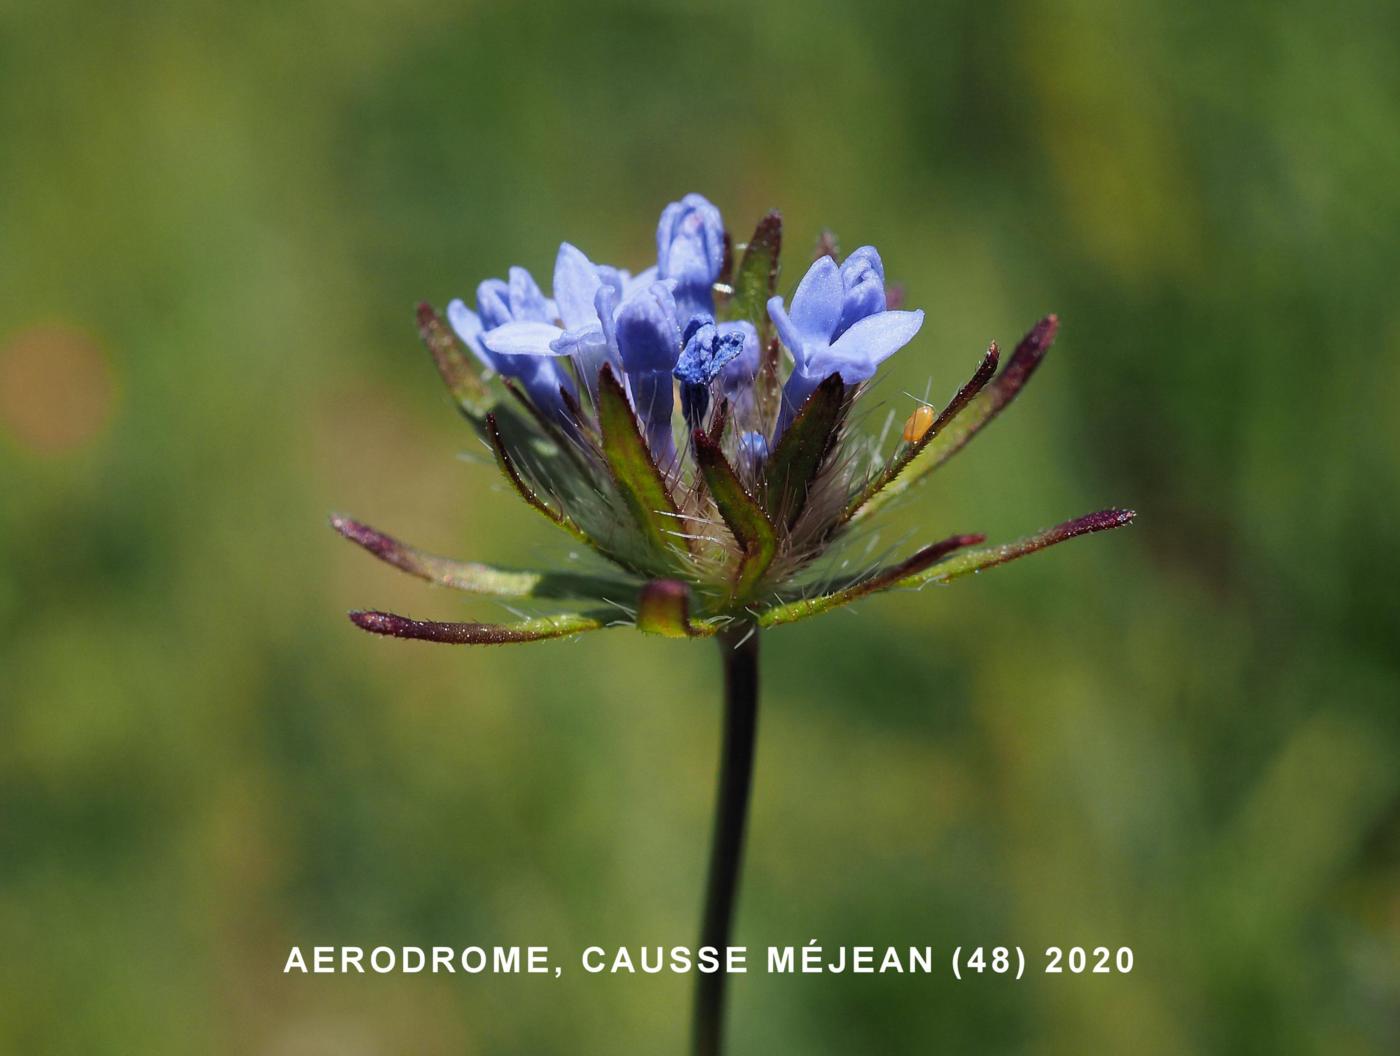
214 223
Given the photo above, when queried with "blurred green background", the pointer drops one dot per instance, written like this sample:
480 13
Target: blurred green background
214 223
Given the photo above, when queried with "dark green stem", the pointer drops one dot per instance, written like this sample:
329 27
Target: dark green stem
739 653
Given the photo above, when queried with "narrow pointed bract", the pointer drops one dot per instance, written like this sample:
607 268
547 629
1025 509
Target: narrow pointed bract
870 583
506 462
793 466
473 578
896 465
533 630
638 478
976 560
754 533
458 374
974 414
757 278
581 395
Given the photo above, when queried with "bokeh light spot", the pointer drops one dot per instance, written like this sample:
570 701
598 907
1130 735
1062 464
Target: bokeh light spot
57 389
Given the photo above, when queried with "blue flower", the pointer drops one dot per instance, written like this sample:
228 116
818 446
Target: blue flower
577 282
520 333
578 286
648 339
503 334
863 283
837 326
517 300
690 250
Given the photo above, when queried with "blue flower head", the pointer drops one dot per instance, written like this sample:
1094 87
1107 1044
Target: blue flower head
737 521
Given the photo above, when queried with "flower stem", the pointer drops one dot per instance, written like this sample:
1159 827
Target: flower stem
739 653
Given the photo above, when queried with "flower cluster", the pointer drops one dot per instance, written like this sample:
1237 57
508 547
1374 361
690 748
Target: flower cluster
690 425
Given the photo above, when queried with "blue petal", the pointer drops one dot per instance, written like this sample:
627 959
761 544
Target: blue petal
542 380
863 277
590 349
617 278
753 449
648 336
522 339
695 223
800 385
687 262
653 396
816 306
605 304
493 302
740 371
633 284
696 324
851 363
690 250
576 283
862 260
876 337
467 325
578 340
707 351
527 303
787 332
729 346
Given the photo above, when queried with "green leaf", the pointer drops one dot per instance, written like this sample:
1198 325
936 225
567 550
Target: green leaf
639 481
977 412
750 526
794 464
976 560
905 455
476 578
458 372
530 630
880 579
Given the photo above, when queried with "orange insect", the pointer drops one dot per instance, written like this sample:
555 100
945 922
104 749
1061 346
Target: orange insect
919 423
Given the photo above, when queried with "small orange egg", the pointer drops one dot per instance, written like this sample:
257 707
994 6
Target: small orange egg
919 423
